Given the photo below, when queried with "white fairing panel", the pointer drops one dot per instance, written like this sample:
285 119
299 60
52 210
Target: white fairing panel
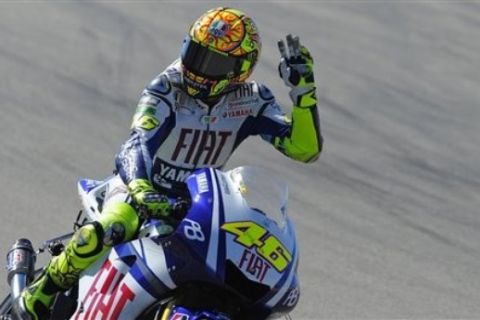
93 194
260 238
109 290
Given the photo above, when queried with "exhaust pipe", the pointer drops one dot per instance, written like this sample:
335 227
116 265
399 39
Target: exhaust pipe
20 266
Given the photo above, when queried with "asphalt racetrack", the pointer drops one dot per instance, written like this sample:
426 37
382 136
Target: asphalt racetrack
388 218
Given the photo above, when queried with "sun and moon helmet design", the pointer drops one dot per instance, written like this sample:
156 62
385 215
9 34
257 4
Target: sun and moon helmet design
220 51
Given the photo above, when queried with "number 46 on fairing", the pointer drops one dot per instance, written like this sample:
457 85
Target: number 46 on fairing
250 234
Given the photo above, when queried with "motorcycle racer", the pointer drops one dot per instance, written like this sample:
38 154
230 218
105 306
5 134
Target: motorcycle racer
193 115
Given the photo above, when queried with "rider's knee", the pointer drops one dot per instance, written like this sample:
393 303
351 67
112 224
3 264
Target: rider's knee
120 223
87 241
117 223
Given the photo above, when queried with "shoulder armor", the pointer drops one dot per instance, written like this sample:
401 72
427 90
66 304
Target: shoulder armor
163 83
174 74
160 85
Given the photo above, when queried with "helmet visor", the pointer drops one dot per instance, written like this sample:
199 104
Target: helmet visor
204 62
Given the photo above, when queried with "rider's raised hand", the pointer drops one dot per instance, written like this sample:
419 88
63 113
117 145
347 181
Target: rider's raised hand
146 197
296 70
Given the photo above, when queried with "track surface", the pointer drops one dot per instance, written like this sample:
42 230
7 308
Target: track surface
388 219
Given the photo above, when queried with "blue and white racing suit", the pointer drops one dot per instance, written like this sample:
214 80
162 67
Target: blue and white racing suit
173 134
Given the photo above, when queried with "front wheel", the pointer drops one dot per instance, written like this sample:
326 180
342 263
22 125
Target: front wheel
172 312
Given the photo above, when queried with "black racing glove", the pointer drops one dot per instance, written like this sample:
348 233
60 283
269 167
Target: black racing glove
148 199
296 70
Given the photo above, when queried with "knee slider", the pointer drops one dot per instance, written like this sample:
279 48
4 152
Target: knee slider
114 234
87 241
119 221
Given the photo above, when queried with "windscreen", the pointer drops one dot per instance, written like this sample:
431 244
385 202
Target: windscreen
263 191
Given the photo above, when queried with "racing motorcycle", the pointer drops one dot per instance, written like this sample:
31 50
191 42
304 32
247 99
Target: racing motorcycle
232 255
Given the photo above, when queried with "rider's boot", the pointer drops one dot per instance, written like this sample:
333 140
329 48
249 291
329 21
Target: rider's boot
61 274
118 223
36 299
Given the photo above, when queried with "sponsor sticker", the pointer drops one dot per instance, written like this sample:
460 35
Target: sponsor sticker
252 235
165 172
106 298
238 113
202 183
208 119
146 122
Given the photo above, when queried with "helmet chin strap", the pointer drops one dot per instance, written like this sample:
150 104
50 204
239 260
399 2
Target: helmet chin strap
211 101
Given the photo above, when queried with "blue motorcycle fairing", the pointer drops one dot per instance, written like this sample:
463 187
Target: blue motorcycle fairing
197 251
180 313
193 245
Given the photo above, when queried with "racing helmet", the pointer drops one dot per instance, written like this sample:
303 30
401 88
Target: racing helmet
219 51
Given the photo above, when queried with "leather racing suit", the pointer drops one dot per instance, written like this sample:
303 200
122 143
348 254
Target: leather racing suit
173 134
